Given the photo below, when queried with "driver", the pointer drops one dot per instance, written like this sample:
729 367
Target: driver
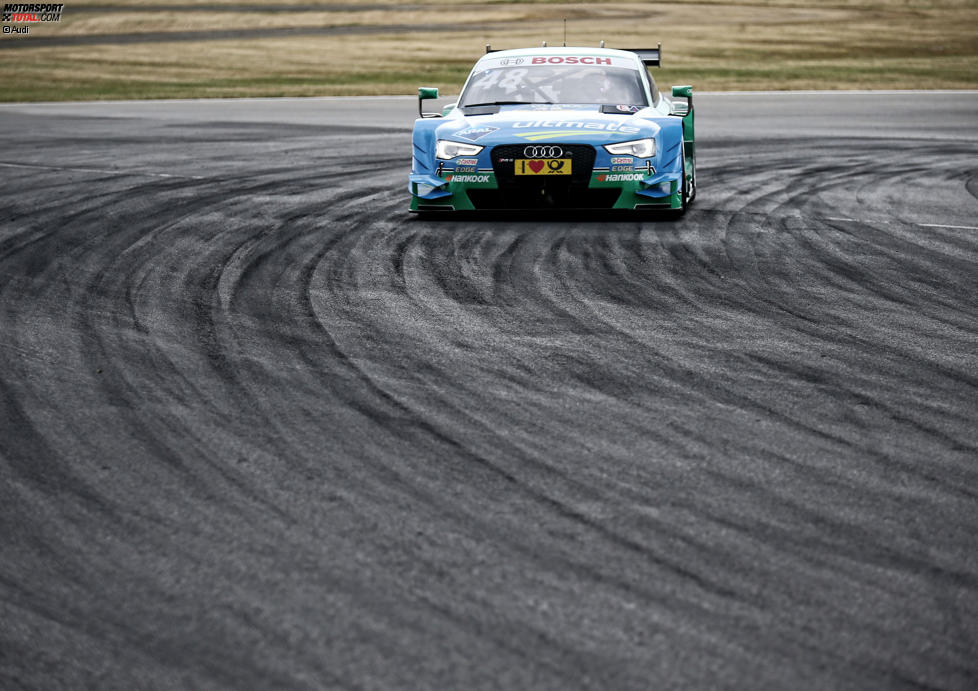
592 86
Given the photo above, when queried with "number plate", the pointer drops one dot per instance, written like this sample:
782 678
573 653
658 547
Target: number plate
542 166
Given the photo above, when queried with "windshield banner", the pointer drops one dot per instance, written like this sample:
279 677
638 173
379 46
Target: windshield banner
531 60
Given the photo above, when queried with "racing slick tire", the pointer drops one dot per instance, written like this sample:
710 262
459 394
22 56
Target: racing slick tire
684 191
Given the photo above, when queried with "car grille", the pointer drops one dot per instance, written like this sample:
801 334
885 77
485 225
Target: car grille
582 161
519 191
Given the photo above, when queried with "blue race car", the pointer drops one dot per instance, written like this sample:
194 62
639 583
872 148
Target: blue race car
555 128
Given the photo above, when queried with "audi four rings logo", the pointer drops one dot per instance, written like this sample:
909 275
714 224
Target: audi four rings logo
543 152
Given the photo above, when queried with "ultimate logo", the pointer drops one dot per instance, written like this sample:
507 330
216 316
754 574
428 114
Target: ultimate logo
31 12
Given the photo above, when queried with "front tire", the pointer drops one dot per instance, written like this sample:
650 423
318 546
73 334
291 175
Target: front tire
684 198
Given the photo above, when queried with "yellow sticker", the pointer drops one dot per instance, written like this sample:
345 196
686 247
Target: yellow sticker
542 166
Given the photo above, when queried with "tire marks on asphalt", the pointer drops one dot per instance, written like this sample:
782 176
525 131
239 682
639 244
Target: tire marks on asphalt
267 430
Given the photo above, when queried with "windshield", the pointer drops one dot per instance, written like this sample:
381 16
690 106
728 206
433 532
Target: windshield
554 84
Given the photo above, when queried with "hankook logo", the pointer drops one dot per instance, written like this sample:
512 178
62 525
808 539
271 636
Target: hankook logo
543 152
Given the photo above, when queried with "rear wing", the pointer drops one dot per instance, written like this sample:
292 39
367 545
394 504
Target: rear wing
652 57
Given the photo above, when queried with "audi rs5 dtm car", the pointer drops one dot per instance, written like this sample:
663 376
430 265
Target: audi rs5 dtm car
557 128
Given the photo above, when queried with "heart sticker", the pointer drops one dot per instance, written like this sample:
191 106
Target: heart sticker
536 166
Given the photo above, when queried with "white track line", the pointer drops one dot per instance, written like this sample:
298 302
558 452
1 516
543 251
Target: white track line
400 97
104 171
844 92
247 99
942 225
884 222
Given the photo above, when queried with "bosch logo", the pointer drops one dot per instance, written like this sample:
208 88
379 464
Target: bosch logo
543 152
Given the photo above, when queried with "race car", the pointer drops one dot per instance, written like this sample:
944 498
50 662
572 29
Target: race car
557 128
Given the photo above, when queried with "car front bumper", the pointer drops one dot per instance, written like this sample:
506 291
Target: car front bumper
605 190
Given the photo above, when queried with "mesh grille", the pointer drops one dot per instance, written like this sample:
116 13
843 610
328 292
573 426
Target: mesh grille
604 198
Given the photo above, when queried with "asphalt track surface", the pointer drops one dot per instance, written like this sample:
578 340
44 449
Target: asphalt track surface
262 429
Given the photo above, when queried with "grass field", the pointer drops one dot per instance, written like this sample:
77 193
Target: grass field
225 48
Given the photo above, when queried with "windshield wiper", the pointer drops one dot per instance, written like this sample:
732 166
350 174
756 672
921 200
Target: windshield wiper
508 103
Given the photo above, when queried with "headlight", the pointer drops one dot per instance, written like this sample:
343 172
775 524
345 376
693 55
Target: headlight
640 148
446 149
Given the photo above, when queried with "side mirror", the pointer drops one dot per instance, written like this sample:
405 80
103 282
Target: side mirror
425 93
682 109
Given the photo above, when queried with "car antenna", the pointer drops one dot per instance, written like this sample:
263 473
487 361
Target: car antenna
565 32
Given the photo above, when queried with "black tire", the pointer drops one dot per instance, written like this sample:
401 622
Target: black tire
684 188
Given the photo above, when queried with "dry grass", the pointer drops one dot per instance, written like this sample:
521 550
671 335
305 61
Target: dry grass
125 22
766 44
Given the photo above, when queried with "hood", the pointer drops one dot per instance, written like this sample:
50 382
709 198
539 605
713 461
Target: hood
544 123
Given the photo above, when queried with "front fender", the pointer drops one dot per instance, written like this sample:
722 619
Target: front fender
424 141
